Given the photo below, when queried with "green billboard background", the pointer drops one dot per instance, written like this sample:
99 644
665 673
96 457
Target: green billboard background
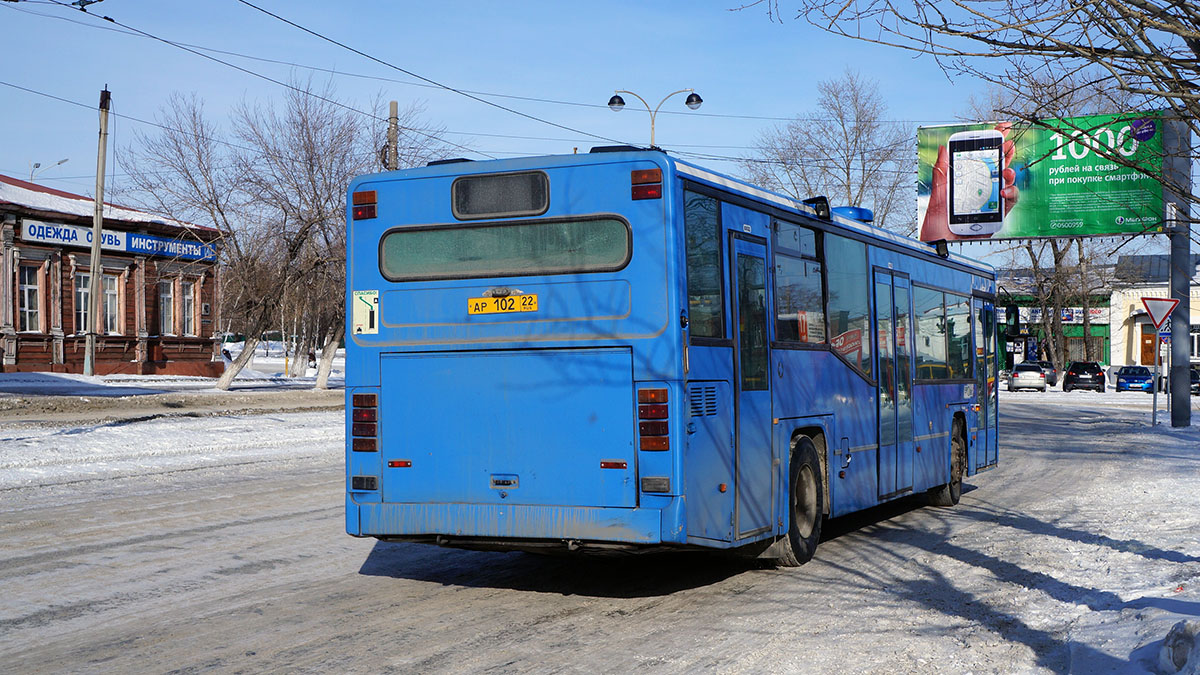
1066 187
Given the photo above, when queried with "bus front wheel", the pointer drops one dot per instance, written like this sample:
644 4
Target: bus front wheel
949 494
806 505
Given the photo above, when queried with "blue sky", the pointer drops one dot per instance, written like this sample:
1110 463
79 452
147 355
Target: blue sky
741 62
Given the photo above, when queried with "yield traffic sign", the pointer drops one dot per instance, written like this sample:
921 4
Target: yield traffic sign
1159 309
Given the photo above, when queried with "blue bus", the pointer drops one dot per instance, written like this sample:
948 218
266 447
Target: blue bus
619 350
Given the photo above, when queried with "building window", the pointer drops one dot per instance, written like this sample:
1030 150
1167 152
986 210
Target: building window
187 301
83 283
112 304
29 298
166 308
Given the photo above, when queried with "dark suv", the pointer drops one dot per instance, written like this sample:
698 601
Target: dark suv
1084 375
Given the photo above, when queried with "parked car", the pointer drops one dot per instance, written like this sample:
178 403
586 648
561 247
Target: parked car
1051 372
1028 375
1084 375
1194 376
1134 378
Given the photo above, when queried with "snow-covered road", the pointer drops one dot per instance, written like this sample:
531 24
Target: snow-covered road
217 543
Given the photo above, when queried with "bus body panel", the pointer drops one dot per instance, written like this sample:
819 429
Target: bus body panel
530 404
518 522
508 426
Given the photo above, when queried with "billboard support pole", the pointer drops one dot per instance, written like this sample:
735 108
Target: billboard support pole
1181 273
1177 170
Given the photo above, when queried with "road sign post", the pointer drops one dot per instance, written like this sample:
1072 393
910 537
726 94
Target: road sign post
1159 310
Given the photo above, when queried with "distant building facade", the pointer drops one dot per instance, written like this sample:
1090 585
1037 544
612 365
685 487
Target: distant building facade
1119 331
1133 334
158 287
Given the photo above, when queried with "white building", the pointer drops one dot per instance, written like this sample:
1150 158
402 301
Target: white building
1131 333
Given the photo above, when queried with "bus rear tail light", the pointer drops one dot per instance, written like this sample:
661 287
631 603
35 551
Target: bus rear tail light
364 422
646 183
654 429
652 395
652 412
363 204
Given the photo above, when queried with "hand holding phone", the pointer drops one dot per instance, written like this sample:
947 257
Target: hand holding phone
976 171
942 221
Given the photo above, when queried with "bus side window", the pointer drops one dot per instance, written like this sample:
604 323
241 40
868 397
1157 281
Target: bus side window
706 312
928 305
849 308
799 311
958 330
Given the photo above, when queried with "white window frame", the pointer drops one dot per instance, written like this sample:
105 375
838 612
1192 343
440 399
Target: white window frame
166 319
83 300
187 307
112 313
30 294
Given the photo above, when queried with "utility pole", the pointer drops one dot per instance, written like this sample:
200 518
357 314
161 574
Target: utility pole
95 285
393 141
1177 164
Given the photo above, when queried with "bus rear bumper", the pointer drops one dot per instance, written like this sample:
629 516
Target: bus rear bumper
508 521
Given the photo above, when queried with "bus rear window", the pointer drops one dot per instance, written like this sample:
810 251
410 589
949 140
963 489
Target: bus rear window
499 195
505 249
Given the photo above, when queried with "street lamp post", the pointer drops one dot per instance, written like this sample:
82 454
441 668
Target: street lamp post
616 103
37 166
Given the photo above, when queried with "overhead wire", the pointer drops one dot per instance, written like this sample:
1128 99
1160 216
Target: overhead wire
192 49
517 97
269 79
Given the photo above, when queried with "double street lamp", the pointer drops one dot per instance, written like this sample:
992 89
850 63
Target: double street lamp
616 103
37 167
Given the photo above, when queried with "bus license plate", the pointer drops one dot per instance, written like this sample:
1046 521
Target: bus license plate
511 303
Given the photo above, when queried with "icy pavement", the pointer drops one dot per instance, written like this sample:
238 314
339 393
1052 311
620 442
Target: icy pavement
46 456
217 543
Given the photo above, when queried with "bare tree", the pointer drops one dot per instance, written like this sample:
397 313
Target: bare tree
847 151
188 172
276 191
1148 50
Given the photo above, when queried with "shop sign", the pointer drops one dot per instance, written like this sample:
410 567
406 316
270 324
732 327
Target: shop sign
113 240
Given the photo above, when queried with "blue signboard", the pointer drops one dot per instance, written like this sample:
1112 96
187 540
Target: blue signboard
115 240
175 248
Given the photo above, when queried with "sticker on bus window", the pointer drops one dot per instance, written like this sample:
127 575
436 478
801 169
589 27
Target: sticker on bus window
364 313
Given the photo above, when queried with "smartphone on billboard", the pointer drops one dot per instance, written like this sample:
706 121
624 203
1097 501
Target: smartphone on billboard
976 170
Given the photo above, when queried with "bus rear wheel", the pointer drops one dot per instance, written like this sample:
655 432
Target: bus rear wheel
806 505
950 493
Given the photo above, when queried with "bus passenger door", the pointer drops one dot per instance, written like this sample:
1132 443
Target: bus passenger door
986 391
752 399
893 331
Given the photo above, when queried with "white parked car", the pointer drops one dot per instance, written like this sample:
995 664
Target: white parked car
1028 375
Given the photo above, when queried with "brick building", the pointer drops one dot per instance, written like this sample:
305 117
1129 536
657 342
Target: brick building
158 309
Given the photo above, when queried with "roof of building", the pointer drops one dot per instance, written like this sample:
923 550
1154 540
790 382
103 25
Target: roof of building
1150 268
31 196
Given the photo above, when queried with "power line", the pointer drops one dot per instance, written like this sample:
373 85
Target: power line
516 97
270 79
425 79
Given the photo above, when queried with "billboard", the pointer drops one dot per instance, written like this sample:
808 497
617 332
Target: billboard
1006 180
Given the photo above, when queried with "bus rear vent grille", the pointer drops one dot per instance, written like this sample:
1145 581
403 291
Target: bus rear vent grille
703 400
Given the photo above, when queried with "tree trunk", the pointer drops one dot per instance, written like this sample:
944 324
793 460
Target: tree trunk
240 362
327 353
1087 307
